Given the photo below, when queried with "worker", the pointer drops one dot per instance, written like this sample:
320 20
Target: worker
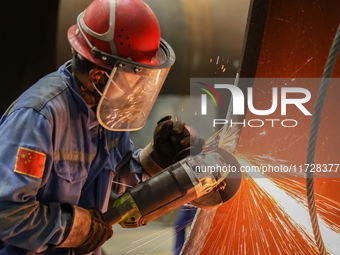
66 138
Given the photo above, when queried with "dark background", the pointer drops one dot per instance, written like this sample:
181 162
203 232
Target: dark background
207 37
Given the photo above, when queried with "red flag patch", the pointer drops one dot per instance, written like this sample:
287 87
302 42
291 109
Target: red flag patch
30 162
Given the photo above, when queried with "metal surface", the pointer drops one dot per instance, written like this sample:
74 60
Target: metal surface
296 42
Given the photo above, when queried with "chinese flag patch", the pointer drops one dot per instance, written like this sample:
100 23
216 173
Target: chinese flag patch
30 162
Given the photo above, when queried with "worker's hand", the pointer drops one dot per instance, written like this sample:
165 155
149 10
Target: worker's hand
172 142
89 229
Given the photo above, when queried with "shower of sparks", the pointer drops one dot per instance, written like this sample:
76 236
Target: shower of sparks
268 215
142 242
123 184
221 66
155 239
264 219
296 209
263 132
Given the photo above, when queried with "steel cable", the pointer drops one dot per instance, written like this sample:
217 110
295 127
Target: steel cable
331 61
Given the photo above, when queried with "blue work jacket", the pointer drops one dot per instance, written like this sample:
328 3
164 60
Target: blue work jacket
53 151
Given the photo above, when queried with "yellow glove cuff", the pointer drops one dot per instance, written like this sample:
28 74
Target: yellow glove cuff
149 165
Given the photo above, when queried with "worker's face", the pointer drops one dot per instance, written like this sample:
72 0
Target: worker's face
128 96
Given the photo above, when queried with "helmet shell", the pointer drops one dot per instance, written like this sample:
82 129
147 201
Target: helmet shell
125 28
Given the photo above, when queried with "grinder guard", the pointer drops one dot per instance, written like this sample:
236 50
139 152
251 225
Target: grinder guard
232 181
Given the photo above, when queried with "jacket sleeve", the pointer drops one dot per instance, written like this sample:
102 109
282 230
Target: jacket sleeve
25 165
129 171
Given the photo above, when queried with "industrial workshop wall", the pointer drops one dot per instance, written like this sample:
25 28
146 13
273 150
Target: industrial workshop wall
270 215
27 45
205 34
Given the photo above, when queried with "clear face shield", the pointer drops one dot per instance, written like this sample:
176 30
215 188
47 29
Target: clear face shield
131 91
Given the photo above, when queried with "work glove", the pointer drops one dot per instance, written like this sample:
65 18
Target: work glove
88 231
172 142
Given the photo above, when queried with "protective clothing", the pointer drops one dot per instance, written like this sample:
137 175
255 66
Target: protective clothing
123 37
53 151
172 142
185 216
88 231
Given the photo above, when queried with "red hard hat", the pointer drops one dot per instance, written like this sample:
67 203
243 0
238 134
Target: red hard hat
124 28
